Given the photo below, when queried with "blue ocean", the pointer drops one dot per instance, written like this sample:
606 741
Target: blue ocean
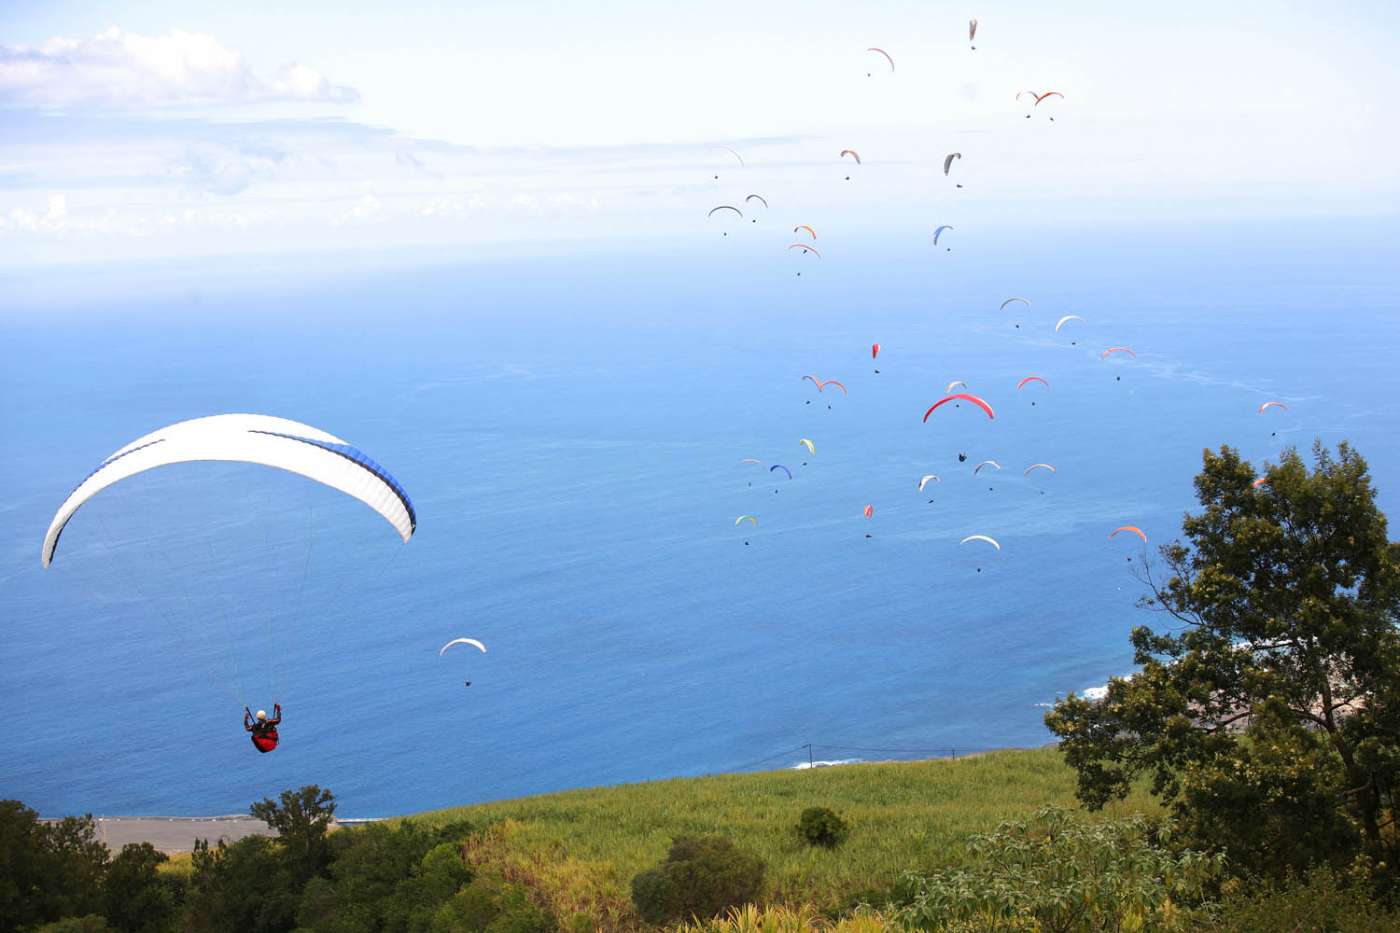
569 425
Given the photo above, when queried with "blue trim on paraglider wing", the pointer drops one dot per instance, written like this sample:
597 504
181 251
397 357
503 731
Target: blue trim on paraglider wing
359 457
97 469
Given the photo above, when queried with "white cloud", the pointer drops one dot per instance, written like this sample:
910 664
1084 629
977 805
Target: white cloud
125 70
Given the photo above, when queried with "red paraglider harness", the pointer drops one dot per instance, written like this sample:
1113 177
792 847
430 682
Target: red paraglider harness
264 733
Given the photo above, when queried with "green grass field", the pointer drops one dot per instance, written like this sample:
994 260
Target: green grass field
579 849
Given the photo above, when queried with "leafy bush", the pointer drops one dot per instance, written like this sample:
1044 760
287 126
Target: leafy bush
1319 903
1053 873
820 826
92 923
491 906
701 876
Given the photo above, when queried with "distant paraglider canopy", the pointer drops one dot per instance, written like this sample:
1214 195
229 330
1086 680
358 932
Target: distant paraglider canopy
928 478
874 350
746 518
1024 301
757 197
1112 350
948 161
1133 529
806 248
462 641
953 385
852 153
733 153
807 228
939 232
989 540
869 511
985 463
1267 405
964 397
811 448
1040 379
725 207
887 57
1037 466
1065 320
779 466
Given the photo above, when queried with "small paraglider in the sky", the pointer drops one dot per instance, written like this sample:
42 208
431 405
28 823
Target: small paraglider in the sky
811 448
928 478
779 466
887 58
986 538
939 232
874 353
761 199
972 33
1029 379
1048 94
869 511
1131 529
963 396
1065 320
1024 301
462 641
738 158
1126 351
853 154
725 207
807 228
985 463
953 385
1037 466
948 163
806 248
752 520
1267 405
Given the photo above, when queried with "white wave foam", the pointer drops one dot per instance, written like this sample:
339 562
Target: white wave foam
803 765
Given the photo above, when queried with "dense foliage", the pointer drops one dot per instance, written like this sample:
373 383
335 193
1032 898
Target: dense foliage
1053 874
822 826
701 876
1268 716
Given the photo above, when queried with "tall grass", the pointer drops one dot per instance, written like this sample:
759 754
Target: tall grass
578 850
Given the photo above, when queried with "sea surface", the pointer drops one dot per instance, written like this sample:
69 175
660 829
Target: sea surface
569 426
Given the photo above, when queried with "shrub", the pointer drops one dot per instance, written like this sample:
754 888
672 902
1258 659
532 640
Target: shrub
701 876
820 826
1318 902
1056 873
136 898
491 906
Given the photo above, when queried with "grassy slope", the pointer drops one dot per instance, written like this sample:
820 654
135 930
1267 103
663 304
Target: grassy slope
579 849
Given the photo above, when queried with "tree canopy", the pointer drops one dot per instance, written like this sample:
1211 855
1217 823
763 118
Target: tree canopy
1267 709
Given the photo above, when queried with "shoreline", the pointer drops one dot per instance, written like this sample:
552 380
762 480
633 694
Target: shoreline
176 835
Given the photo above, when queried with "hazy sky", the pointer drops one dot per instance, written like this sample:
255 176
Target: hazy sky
133 130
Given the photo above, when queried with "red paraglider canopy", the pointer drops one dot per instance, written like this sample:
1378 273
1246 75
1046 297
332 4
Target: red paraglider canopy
963 396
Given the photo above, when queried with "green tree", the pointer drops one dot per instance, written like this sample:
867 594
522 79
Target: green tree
301 819
1053 874
247 887
1268 712
702 876
135 897
384 878
47 870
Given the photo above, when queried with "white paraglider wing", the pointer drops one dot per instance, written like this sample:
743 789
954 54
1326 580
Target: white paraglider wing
275 442
462 641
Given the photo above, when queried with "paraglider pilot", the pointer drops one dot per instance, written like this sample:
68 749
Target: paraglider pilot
264 730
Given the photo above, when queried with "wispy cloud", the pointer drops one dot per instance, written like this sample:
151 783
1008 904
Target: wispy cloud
128 71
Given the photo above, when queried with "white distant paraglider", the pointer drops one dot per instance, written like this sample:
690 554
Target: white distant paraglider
462 641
